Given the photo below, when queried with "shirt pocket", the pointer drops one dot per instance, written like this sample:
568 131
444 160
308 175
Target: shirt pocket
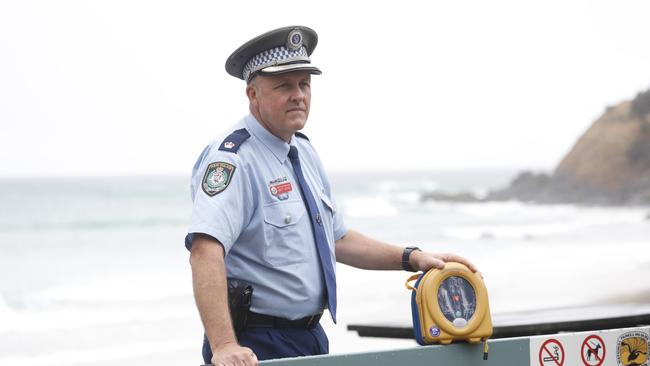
287 238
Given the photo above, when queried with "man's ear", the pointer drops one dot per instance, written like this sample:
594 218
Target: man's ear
251 92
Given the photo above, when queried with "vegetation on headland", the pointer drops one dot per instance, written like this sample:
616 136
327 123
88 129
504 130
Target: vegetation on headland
608 165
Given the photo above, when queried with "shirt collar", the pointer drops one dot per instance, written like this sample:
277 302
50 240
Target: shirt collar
278 147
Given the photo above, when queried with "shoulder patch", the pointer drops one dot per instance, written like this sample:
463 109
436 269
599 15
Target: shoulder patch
217 177
302 135
233 141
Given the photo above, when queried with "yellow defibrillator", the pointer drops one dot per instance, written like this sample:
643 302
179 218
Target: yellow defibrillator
450 304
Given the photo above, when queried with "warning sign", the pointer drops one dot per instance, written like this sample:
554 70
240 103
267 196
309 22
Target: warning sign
612 347
593 351
551 353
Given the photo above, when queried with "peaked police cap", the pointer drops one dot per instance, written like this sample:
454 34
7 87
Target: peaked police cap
278 51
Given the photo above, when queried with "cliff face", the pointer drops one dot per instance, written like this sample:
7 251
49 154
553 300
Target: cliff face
613 156
609 164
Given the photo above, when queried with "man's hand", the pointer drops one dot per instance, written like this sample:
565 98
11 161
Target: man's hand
423 261
232 354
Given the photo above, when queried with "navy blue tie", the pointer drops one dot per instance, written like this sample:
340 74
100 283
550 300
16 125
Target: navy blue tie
319 233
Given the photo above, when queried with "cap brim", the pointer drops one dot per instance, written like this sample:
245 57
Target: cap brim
283 69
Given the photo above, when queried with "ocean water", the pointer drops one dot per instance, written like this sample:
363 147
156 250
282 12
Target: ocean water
95 271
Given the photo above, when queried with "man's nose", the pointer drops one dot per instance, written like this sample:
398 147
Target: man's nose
297 94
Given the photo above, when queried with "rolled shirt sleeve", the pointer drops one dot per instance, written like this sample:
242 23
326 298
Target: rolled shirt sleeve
339 227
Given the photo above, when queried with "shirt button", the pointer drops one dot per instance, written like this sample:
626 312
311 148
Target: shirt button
318 219
287 219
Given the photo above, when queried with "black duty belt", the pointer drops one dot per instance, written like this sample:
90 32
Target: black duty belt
255 320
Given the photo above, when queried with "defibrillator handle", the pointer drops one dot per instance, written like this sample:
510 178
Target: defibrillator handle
410 279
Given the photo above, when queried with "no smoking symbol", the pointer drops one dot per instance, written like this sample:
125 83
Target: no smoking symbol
593 351
551 353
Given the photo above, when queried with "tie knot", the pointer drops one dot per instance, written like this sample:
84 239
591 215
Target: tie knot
293 153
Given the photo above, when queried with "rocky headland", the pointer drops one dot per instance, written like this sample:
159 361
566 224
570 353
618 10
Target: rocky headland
608 165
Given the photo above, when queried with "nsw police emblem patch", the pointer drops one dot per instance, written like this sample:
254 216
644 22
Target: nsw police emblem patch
217 177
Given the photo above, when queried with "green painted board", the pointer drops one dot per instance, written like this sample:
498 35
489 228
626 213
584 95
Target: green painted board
503 352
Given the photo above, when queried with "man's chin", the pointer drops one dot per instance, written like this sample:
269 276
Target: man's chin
298 123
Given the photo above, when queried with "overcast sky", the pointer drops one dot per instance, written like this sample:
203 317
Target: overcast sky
139 87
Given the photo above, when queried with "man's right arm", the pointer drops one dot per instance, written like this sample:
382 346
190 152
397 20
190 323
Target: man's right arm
211 295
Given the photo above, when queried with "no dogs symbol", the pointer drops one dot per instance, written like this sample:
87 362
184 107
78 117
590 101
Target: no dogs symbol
593 351
551 353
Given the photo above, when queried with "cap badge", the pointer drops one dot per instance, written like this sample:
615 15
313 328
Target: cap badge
294 41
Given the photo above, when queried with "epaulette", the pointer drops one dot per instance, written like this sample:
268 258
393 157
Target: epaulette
300 134
233 141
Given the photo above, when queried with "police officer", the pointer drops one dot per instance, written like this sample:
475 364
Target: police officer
264 212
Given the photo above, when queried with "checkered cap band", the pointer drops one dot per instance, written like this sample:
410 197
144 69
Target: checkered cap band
274 56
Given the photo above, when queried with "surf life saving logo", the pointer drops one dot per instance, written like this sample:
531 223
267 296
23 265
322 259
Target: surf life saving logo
632 349
217 177
280 188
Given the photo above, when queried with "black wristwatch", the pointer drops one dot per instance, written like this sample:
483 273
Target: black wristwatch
405 258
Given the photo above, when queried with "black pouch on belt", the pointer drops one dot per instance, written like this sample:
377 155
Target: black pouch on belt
240 294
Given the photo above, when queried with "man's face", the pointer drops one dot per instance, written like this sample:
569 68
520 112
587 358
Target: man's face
281 102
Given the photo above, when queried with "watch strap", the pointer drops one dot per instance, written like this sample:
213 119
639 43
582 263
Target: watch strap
406 254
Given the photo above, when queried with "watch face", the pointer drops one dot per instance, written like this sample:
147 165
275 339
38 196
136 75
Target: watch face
457 300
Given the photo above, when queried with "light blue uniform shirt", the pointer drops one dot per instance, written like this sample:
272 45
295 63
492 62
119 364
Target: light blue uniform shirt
262 223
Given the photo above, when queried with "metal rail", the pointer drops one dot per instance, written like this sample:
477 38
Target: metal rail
522 330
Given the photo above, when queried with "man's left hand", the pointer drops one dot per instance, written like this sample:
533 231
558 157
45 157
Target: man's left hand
424 261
